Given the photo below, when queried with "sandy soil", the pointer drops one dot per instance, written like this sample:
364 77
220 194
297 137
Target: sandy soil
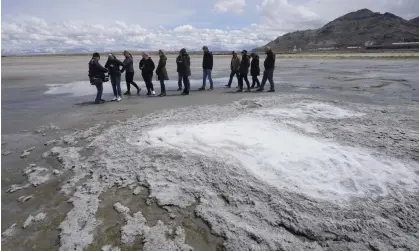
188 197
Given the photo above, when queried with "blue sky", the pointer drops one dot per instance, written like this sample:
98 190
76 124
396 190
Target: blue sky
54 26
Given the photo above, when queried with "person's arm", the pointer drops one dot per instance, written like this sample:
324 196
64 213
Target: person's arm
141 64
211 61
152 66
99 66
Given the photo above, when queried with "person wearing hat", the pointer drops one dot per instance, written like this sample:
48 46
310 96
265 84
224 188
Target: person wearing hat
207 63
97 76
183 62
244 70
268 74
235 67
255 70
113 65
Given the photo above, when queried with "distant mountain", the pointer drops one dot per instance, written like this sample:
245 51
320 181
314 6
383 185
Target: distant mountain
359 28
415 21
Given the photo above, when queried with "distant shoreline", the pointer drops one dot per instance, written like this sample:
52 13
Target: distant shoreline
384 54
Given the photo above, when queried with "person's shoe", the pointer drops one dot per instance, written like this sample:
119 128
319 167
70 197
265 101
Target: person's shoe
179 89
237 87
227 86
252 87
162 94
102 100
201 89
239 90
271 90
259 90
153 93
148 93
185 93
127 93
119 99
115 98
138 91
247 90
211 88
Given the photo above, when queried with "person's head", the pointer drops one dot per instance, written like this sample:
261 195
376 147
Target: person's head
234 53
267 48
144 55
96 55
205 48
252 54
244 52
161 53
111 56
182 51
127 54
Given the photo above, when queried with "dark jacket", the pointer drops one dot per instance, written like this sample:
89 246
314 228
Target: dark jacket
128 64
161 71
254 66
269 60
244 65
207 61
113 65
147 66
183 62
96 70
235 64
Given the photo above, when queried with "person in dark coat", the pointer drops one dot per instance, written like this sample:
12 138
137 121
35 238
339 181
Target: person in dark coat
161 73
179 79
207 63
235 67
183 62
268 74
244 70
113 65
129 73
97 76
147 67
255 70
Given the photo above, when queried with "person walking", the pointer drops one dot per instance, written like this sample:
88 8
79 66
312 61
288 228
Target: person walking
113 65
179 79
255 70
147 67
235 67
183 62
129 73
161 73
268 74
244 70
207 63
97 76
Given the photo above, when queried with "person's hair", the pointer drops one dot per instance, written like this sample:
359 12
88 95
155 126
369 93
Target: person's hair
205 47
127 52
96 55
112 55
162 52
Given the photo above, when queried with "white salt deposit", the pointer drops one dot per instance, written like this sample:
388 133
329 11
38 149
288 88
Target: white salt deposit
15 187
9 232
31 219
110 248
37 175
288 160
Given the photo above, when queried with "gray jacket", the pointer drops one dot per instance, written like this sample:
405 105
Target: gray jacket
128 64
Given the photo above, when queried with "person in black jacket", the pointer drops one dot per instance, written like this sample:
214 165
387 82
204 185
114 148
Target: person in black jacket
97 76
129 73
207 63
268 74
113 65
161 73
183 62
147 67
244 70
255 70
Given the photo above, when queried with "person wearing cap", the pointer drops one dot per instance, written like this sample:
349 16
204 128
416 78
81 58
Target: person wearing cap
147 67
97 76
129 73
235 67
255 70
268 74
161 73
183 62
113 65
207 63
244 70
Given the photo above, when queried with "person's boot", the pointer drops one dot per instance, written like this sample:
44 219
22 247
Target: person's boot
201 89
185 92
149 93
162 94
138 91
211 88
259 89
128 93
248 90
252 87
227 86
271 90
240 90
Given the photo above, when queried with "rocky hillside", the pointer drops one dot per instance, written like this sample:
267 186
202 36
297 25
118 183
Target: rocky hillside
415 21
359 28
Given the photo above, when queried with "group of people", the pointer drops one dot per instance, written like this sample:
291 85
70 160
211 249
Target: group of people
114 68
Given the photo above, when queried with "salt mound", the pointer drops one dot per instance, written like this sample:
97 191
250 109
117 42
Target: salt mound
288 160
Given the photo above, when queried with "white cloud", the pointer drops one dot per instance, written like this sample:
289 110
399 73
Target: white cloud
235 6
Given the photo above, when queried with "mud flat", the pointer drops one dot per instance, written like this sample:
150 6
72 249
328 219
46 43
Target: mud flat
317 165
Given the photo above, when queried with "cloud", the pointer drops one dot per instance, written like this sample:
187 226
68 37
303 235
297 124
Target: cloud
235 6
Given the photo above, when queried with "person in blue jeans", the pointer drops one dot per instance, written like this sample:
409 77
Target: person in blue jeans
97 76
207 64
114 66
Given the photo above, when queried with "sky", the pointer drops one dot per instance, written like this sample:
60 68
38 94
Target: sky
56 26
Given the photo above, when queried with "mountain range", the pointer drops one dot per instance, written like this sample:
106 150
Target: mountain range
356 29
